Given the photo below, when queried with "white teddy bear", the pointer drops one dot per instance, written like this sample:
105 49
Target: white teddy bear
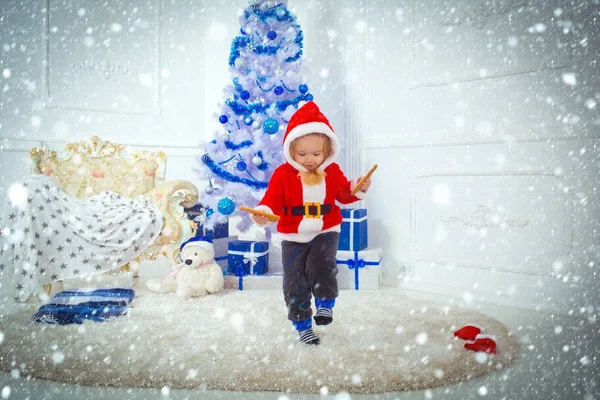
197 275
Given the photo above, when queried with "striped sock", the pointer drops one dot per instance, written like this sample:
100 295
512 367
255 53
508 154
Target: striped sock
308 336
324 316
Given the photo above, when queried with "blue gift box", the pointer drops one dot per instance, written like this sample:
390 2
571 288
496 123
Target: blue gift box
196 213
219 231
247 257
353 236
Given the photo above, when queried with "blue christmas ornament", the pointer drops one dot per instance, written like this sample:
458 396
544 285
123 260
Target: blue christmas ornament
272 35
241 166
223 119
271 126
209 212
236 81
245 95
278 90
226 206
248 121
303 88
242 31
309 97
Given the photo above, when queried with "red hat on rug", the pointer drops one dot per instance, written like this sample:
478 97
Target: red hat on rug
306 120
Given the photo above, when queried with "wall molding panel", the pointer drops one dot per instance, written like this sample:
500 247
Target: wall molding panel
491 220
452 41
18 146
101 71
14 145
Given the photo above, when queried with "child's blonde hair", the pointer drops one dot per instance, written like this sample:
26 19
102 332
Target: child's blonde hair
326 144
315 177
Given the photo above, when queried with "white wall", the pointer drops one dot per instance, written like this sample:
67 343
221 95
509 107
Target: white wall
482 119
485 124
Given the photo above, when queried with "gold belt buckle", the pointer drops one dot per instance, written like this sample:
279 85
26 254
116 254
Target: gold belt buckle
307 210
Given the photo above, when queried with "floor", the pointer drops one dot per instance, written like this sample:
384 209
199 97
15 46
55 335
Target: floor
559 360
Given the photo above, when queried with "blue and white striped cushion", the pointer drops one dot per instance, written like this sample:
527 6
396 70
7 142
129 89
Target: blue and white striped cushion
76 306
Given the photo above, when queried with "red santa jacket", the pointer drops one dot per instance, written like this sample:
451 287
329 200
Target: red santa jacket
287 195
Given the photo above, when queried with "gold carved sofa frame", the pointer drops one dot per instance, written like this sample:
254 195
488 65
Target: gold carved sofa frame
90 167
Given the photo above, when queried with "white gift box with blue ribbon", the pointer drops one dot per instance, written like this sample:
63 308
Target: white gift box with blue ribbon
254 282
359 270
247 257
353 235
221 246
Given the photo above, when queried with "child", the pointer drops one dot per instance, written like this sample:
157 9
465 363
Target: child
303 192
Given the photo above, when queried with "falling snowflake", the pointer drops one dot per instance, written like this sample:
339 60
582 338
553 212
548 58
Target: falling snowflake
6 391
421 338
58 357
569 78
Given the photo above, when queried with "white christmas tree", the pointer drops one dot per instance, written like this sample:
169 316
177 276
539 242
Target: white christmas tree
266 65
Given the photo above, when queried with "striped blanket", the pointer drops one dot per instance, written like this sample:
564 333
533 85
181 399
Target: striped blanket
79 305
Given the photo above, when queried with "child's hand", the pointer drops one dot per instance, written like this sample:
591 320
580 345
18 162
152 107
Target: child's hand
366 184
260 219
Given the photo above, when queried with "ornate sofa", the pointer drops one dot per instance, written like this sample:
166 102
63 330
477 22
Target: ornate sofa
90 167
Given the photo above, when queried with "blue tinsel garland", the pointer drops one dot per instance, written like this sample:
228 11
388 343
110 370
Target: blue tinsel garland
210 164
232 146
280 14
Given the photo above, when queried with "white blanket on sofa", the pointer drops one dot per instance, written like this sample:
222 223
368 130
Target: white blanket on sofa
48 235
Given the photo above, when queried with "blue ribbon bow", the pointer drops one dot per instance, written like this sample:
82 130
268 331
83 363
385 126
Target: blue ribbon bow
356 264
352 264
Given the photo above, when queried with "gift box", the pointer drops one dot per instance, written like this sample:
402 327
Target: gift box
221 246
254 282
353 235
219 231
196 214
359 269
247 257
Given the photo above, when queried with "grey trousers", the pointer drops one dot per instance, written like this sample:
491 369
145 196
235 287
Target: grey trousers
309 269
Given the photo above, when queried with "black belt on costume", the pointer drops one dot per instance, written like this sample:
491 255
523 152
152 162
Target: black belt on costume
310 210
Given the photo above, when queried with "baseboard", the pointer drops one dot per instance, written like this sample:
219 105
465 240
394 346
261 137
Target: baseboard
123 279
478 295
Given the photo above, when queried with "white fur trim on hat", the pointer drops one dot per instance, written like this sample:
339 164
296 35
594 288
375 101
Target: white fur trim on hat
200 243
306 129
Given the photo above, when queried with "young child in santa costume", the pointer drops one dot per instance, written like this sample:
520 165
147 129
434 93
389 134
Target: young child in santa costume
303 192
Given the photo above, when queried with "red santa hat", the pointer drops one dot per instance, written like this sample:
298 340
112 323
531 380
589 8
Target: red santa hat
306 120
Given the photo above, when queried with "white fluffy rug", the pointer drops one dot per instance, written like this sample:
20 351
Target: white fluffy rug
379 341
